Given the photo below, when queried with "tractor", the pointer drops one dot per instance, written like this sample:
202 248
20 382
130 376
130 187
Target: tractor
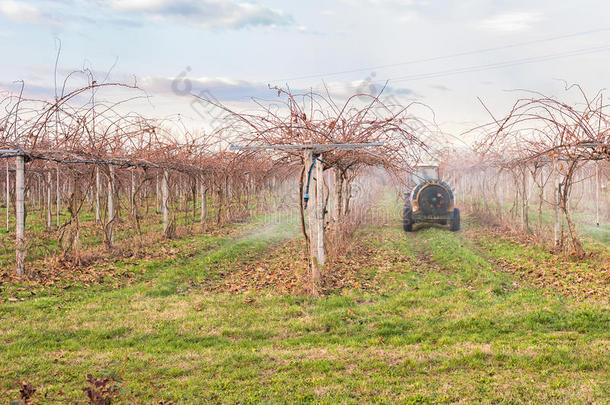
429 200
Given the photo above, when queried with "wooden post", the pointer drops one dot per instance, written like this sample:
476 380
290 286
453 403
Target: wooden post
333 196
524 219
339 195
8 196
556 204
247 192
111 206
320 254
132 198
57 196
203 203
500 196
49 200
313 239
20 214
3 191
70 186
97 194
39 193
194 195
597 193
164 201
157 193
483 183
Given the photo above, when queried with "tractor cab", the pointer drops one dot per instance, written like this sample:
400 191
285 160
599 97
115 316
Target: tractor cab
420 174
423 173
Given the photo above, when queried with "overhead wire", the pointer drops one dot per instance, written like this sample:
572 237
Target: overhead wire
449 56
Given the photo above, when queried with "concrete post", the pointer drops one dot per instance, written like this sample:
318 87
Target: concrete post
165 200
111 205
312 228
57 196
597 193
8 197
556 204
20 214
97 194
203 203
49 200
320 254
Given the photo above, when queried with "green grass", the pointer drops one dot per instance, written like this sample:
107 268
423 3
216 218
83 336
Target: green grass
588 276
447 327
43 242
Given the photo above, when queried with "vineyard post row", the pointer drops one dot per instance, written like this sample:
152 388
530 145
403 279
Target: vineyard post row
19 205
21 157
516 181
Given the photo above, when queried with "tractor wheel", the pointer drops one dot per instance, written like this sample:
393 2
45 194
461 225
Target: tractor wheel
455 221
407 219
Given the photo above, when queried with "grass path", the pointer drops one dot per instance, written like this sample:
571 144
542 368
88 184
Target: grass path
446 326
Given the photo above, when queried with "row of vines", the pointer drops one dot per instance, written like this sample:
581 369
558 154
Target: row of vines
82 175
538 167
85 172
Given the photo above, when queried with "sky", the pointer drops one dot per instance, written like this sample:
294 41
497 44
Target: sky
450 55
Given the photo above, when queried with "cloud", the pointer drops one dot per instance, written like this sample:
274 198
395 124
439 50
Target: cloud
345 89
19 11
38 91
510 22
205 14
230 90
222 89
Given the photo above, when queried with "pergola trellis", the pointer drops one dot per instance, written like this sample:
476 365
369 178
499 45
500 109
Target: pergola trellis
22 156
552 158
313 167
